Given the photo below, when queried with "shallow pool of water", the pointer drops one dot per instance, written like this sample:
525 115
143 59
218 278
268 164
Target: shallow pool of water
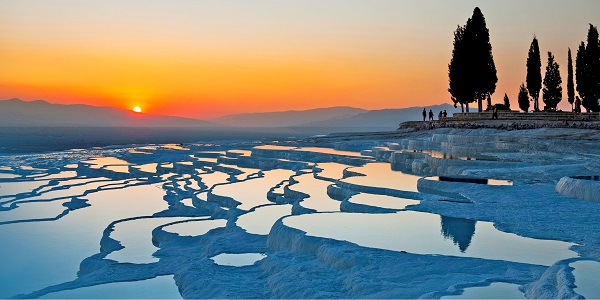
496 290
100 162
587 274
331 151
425 233
196 227
39 254
382 201
136 237
331 170
381 175
254 190
317 191
237 259
162 287
260 220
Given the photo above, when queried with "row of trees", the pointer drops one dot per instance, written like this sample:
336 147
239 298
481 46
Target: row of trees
472 72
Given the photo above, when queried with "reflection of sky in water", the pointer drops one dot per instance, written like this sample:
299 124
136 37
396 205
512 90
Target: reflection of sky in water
330 151
331 170
237 260
99 162
162 287
417 232
587 274
28 211
496 290
35 250
196 227
317 189
118 169
382 201
211 179
262 219
8 176
16 187
273 147
254 190
148 168
240 152
136 237
381 175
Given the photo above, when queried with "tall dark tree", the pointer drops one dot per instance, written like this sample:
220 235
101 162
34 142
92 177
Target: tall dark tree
580 70
523 98
472 72
552 84
482 68
587 71
534 73
570 85
506 102
458 71
592 69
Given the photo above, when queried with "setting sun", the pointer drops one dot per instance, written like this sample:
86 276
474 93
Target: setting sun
137 109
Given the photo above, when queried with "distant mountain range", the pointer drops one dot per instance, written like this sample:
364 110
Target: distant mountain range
288 118
18 113
335 119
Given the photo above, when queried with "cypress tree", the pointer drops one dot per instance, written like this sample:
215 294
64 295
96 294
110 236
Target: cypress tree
592 70
552 84
587 71
472 72
570 85
580 71
458 72
534 72
482 69
523 98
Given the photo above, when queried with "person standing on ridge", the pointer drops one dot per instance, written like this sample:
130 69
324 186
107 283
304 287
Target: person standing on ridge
424 114
430 115
445 114
495 113
440 115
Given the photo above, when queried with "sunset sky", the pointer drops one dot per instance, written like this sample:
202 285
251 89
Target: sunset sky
205 59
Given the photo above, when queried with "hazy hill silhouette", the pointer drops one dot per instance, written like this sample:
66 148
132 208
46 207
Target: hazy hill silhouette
288 118
18 113
380 120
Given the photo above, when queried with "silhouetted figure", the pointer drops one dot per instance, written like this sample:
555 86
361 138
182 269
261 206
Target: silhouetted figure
440 115
461 231
445 114
495 113
424 114
577 107
430 115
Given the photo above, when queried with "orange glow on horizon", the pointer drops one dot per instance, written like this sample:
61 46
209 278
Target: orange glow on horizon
205 59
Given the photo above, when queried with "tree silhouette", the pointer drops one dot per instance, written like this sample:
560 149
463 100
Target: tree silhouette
506 102
570 85
523 98
482 68
552 84
580 70
457 71
472 72
587 70
534 73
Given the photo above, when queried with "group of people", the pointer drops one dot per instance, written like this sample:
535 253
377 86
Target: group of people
440 115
